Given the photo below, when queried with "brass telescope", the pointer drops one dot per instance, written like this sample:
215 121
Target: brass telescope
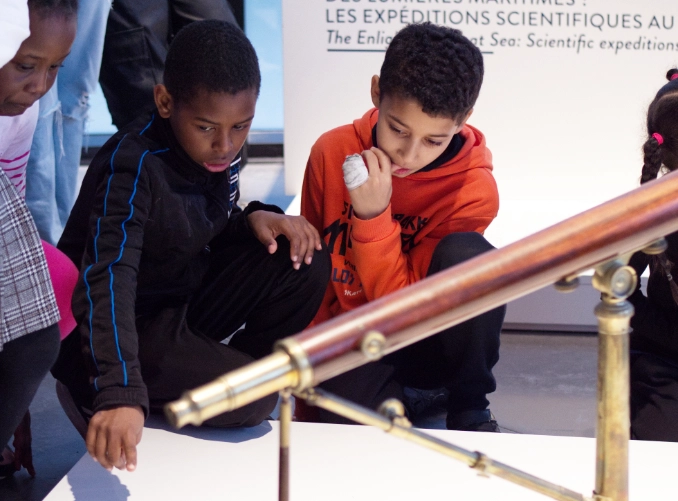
602 238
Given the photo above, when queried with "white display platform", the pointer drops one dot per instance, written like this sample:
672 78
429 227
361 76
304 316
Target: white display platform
340 462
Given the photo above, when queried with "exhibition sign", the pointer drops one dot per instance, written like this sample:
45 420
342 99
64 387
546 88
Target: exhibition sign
567 85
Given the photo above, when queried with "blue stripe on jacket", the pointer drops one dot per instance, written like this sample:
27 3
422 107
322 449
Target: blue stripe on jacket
96 260
110 266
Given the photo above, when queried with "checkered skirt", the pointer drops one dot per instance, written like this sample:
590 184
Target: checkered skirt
27 301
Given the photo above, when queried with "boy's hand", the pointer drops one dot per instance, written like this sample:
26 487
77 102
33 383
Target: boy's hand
113 436
372 198
304 238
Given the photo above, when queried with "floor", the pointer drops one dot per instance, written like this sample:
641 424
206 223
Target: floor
546 382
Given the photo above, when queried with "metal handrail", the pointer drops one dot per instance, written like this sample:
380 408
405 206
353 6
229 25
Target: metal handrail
616 228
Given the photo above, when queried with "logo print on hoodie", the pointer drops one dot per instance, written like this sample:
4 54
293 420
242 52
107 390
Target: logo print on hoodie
411 226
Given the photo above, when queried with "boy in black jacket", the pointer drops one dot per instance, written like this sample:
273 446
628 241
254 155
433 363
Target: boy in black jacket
169 264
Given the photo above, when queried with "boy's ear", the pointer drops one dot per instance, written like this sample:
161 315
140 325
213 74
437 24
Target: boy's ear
374 90
163 100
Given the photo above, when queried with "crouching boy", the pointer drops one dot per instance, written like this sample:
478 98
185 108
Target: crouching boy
169 264
426 200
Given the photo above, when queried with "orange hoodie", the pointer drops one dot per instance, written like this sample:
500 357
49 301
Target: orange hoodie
371 258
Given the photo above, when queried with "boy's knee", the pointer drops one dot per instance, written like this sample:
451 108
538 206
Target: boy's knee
456 248
321 266
316 274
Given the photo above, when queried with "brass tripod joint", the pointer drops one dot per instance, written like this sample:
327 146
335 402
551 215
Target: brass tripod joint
373 345
300 362
615 279
394 410
656 247
567 284
482 464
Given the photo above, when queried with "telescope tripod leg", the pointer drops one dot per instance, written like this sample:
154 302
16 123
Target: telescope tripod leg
616 282
613 427
284 458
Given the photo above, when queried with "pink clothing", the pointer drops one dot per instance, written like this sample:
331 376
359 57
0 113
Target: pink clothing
16 136
64 276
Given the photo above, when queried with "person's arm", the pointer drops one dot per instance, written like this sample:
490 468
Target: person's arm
312 198
113 436
265 223
650 320
238 228
653 323
377 247
16 146
105 308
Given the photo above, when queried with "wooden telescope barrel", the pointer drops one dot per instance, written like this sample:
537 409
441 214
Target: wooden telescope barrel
624 224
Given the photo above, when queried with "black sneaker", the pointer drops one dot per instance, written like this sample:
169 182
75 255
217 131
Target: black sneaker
419 402
473 421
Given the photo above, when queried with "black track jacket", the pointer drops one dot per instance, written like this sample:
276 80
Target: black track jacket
141 231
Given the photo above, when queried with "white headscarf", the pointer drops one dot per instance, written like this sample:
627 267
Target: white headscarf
13 28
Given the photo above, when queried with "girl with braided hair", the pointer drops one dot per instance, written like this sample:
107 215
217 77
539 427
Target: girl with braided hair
654 341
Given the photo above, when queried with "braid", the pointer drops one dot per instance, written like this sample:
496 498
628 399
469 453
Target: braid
652 160
662 120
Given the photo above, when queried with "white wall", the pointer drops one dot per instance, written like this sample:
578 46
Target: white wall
565 125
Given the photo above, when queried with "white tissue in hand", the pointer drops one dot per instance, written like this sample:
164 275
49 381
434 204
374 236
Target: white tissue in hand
355 172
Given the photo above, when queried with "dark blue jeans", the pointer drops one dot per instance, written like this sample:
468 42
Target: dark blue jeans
460 358
138 35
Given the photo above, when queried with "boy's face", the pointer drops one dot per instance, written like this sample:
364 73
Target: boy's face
212 126
31 73
410 137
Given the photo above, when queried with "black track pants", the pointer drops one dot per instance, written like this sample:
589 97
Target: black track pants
460 358
180 341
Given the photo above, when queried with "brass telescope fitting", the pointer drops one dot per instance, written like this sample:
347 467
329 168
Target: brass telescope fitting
287 367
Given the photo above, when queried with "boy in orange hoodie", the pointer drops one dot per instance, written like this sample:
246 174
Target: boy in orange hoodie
428 197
